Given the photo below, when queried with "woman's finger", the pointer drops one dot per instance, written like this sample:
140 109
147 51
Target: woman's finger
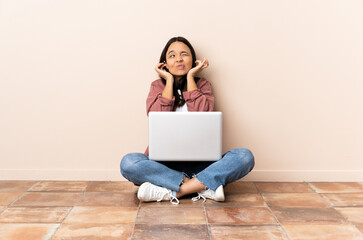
160 66
205 63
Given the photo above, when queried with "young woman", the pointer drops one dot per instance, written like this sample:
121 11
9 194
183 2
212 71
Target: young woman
180 90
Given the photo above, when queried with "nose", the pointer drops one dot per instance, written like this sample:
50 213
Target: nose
179 58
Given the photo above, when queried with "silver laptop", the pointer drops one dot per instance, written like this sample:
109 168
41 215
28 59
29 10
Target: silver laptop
185 136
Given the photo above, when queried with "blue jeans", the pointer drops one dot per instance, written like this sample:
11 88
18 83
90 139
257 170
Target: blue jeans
235 164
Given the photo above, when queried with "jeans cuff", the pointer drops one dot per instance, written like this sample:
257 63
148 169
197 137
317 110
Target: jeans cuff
208 184
180 182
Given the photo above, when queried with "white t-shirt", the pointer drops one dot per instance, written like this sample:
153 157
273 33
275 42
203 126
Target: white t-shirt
183 108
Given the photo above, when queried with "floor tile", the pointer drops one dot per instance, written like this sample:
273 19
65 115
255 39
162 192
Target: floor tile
238 200
121 186
341 187
241 187
126 199
2 208
344 199
310 200
237 232
15 186
251 216
27 231
283 187
59 186
353 214
308 215
93 231
45 199
170 215
108 210
102 215
8 197
34 215
175 232
322 232
183 202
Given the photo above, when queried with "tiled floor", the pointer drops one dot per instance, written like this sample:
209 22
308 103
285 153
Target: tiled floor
110 210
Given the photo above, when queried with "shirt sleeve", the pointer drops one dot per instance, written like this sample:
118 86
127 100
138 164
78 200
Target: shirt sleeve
200 99
155 102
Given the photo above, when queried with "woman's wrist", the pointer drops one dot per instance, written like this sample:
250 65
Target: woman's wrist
168 90
191 85
170 79
190 77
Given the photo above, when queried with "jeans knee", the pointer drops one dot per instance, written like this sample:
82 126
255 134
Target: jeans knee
128 163
247 159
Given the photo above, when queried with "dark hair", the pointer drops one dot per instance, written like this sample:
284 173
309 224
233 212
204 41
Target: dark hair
179 99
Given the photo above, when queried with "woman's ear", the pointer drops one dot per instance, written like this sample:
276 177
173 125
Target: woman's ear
165 68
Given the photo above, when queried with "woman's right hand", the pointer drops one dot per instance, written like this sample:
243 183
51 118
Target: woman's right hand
163 73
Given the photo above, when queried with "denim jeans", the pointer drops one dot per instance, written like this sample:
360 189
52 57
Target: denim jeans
235 164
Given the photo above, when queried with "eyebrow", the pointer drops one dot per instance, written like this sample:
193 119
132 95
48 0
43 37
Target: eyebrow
181 51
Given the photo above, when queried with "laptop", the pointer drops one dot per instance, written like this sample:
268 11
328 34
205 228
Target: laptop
185 136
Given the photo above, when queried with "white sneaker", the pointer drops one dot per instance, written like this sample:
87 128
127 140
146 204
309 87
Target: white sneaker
149 192
217 195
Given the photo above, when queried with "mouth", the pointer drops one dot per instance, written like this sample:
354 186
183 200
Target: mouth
180 66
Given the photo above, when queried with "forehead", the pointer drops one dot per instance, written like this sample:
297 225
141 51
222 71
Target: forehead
178 47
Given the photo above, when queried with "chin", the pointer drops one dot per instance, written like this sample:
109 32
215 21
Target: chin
180 73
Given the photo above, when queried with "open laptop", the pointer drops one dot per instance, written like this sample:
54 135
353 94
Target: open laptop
185 136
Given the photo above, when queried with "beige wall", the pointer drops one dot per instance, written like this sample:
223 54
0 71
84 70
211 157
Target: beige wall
286 74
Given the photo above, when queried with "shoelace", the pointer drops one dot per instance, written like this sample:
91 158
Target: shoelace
173 199
160 193
200 195
194 199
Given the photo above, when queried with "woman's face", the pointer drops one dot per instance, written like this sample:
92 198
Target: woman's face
179 59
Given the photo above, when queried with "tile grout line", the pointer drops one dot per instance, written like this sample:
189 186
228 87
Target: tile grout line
245 224
88 185
19 197
5 207
312 187
345 218
355 226
133 227
206 220
26 191
70 210
268 207
321 194
203 205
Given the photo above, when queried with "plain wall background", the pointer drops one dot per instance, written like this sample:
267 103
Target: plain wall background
75 75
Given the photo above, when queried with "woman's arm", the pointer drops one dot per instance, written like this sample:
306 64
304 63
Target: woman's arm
163 73
199 66
200 99
155 101
168 89
161 97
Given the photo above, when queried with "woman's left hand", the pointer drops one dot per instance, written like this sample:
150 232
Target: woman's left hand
200 65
